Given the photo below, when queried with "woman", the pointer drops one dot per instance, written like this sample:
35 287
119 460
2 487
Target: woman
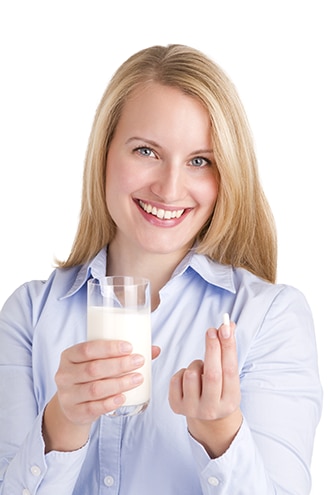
171 192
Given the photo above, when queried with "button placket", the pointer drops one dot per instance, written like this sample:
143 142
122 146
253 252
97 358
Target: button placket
109 451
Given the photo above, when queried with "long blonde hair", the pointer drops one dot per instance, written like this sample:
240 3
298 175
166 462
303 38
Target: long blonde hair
241 230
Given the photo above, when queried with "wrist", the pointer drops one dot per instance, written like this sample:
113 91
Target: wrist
59 433
217 435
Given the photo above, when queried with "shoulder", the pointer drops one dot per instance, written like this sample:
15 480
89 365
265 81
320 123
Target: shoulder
251 298
244 287
279 294
273 316
28 299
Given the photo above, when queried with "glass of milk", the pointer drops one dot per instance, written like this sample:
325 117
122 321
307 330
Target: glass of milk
118 308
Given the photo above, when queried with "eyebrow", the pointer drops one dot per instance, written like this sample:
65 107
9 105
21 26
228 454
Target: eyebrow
154 143
137 138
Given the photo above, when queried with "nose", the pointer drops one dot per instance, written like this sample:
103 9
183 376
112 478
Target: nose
169 185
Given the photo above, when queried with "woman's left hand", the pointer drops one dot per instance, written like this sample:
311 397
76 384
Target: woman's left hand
208 393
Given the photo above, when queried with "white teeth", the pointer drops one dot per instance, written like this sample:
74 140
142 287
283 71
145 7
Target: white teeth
160 212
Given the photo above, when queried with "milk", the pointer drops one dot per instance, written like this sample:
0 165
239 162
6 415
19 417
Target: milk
131 326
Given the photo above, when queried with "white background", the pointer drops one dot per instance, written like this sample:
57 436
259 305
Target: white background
56 60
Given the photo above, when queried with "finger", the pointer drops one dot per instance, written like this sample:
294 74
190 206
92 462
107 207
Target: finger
95 409
185 389
212 372
155 351
229 362
106 368
98 369
192 384
89 410
175 395
97 349
102 389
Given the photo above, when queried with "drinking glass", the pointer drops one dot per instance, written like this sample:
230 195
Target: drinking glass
118 308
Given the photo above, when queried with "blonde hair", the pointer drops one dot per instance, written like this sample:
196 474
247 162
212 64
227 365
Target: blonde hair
241 230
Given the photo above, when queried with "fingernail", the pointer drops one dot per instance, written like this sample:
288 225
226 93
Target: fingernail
225 331
125 347
212 333
119 399
137 378
137 359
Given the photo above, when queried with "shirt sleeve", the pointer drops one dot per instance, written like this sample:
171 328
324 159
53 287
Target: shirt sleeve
240 470
281 404
31 472
24 468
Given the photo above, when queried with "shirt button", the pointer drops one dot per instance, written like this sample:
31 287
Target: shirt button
108 481
213 481
26 492
35 470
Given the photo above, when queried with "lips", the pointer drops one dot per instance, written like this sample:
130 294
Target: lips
161 213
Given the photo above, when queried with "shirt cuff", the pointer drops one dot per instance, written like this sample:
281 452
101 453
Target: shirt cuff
239 470
31 470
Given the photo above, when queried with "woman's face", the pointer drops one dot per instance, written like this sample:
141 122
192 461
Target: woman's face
161 179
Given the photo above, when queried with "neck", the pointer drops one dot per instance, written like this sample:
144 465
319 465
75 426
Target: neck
158 268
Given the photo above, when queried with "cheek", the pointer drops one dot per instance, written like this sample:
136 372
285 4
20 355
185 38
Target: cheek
117 178
208 193
121 174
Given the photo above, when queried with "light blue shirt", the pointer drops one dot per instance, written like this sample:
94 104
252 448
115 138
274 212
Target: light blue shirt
153 453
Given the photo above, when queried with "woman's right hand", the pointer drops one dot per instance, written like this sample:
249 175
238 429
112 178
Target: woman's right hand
91 380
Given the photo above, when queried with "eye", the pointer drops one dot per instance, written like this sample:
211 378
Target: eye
145 151
199 161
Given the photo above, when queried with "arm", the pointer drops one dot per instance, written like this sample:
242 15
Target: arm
44 451
91 380
208 393
23 463
280 401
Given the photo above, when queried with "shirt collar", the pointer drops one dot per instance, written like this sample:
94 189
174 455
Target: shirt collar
94 269
211 271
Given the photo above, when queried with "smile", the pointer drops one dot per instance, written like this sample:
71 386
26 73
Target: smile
160 212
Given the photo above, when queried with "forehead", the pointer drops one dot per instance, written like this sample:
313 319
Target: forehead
156 108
